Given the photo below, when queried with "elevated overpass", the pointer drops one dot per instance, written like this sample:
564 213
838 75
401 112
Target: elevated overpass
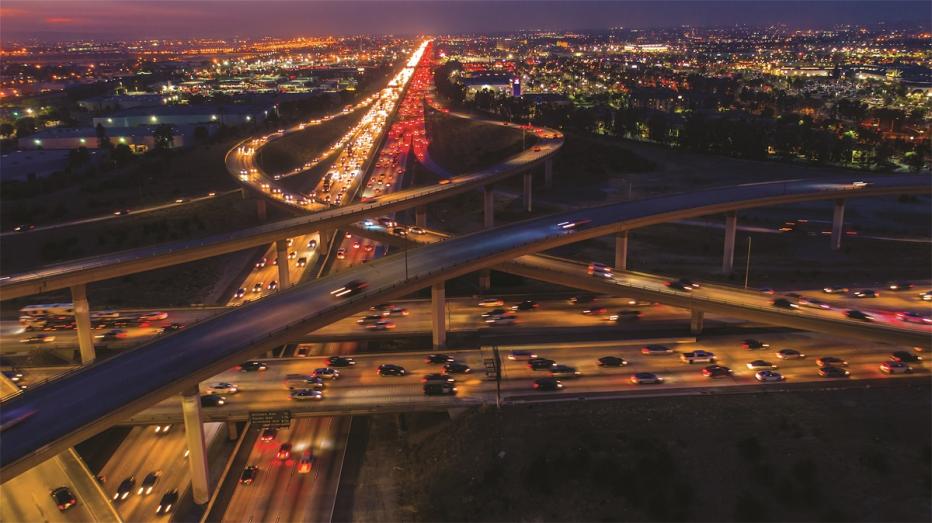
69 410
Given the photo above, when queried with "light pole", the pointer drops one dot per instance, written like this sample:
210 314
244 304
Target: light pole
406 258
747 265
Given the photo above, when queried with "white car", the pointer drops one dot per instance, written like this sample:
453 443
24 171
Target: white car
790 354
768 375
326 373
222 387
895 367
154 316
698 356
163 429
760 365
492 302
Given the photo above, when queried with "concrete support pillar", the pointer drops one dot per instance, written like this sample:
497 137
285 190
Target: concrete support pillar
420 216
485 279
488 207
438 309
281 251
621 251
527 191
728 257
194 437
261 213
548 173
82 322
695 322
232 431
838 224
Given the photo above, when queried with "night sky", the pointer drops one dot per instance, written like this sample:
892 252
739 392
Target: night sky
103 19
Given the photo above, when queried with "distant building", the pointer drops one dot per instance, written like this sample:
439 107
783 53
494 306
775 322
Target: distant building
140 138
121 101
29 165
499 83
232 115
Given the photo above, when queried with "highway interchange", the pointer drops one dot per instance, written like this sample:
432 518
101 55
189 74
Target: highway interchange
360 385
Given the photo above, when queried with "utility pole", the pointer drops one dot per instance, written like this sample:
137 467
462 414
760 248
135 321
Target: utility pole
747 266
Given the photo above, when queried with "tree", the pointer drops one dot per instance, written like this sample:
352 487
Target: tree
103 141
164 137
122 154
25 127
7 129
78 157
200 134
914 160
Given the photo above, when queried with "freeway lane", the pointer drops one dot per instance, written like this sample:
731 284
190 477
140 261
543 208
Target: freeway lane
360 387
102 393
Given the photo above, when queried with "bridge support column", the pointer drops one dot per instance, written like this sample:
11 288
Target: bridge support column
731 227
621 251
438 309
838 224
194 437
281 252
232 431
488 207
82 322
548 173
420 216
261 213
695 321
527 191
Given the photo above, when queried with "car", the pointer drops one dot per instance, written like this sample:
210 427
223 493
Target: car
388 369
697 356
493 313
252 366
284 452
356 245
768 375
624 315
115 334
302 351
437 377
340 361
312 244
222 387
540 364
752 344
395 311
790 354
154 316
866 293
63 498
212 400
895 367
258 287
573 224
149 482
326 373
926 296
900 286
172 327
761 365
261 263
855 314
521 355
767 290
124 489
563 371
399 231
248 475
835 290
716 371
268 434
369 319
612 361
341 253
645 378
905 357
678 286
438 359
594 311
491 302
784 303
814 303
830 371
306 462
831 361
547 384
416 230
581 299
351 288
273 285
39 338
303 381
239 293
302 261
306 394
167 503
526 305
653 350
913 317
163 429
434 388
504 319
599 270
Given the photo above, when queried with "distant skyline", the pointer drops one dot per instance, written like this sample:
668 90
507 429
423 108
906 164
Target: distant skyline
132 19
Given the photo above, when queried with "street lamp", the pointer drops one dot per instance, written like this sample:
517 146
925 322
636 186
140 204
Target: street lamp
747 265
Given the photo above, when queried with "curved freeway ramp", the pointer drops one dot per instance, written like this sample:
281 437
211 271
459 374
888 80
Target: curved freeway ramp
62 413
